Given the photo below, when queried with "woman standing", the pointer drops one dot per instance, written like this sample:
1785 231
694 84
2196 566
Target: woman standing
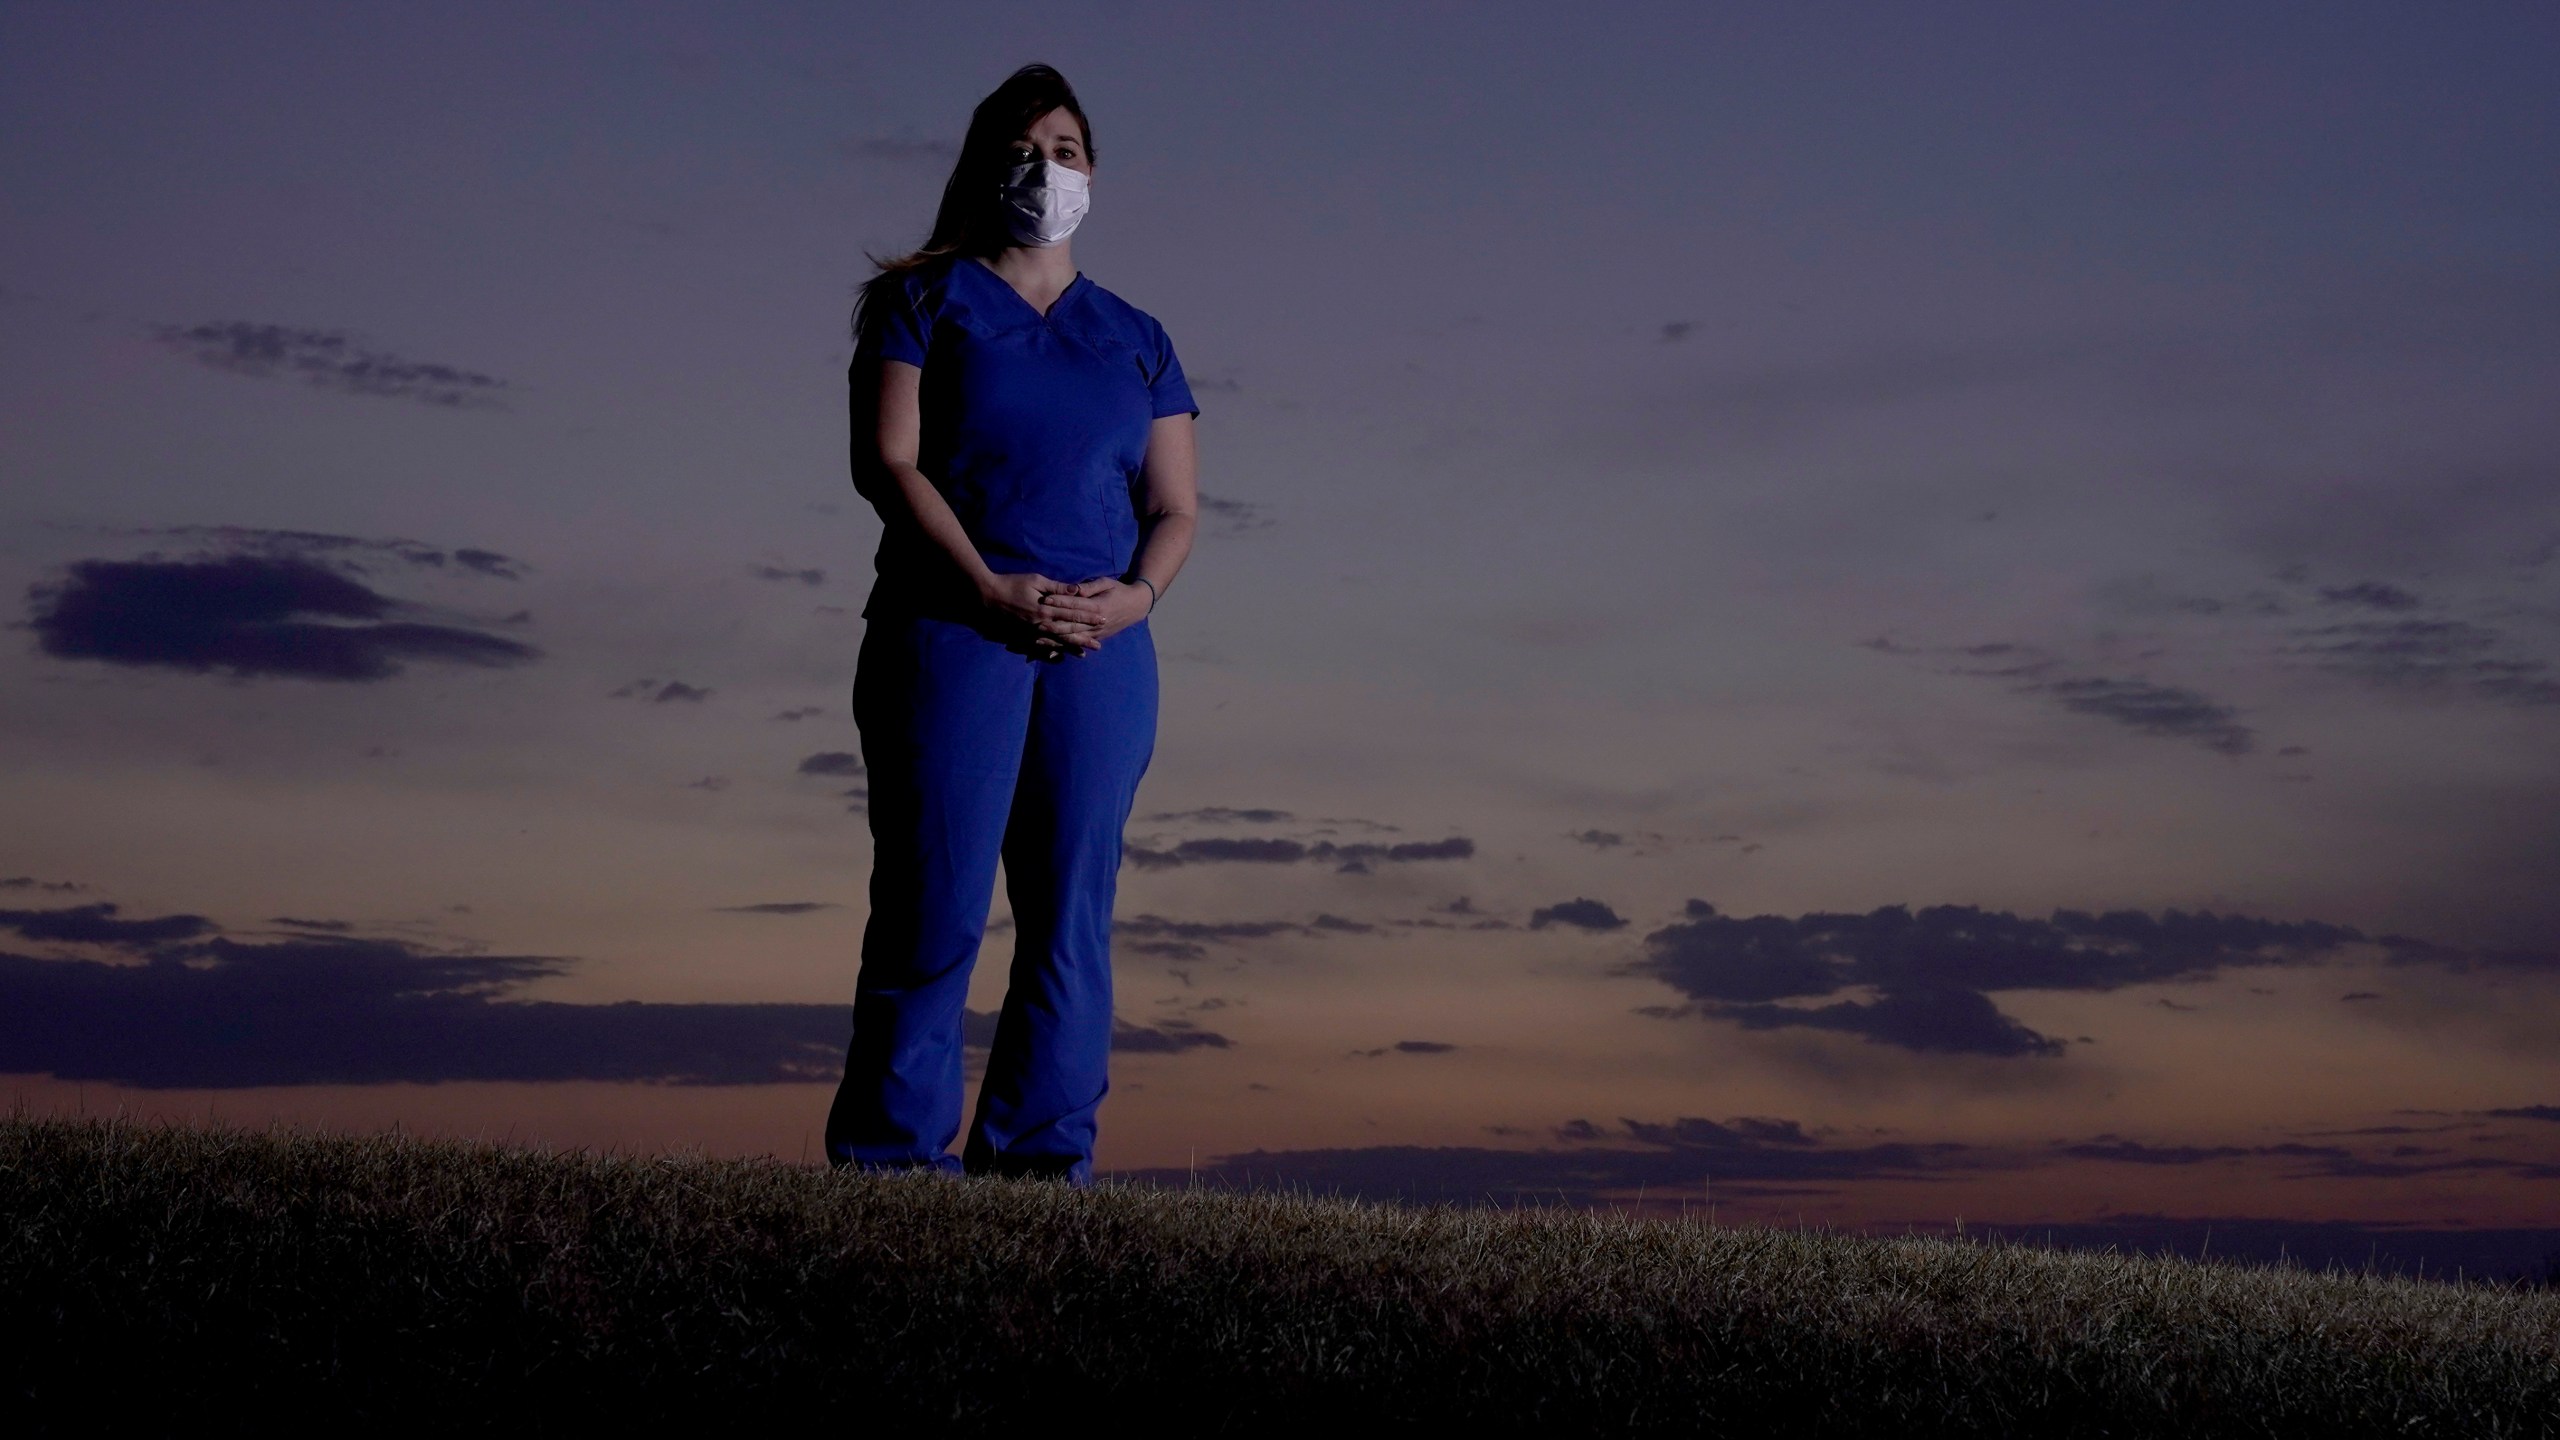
1026 436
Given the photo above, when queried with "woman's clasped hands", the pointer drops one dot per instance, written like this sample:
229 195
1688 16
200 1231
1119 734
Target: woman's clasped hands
1068 619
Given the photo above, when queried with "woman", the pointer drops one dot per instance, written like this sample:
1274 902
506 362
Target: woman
1026 437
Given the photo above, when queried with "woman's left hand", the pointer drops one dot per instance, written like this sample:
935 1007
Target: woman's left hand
1095 611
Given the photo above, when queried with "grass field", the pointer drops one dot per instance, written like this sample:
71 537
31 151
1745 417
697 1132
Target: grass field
159 1278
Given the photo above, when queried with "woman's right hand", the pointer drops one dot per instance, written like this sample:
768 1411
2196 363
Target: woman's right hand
1018 598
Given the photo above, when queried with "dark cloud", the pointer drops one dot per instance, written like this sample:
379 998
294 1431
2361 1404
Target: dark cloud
657 692
1464 916
2312 1162
832 762
2526 1112
1919 1017
50 887
1744 1158
1223 814
2371 593
1673 330
1932 966
250 615
1356 856
2132 1152
1743 1132
98 925
1169 1038
1582 913
800 712
206 1011
1408 1047
775 572
330 360
325 927
342 1010
1598 839
778 907
1233 517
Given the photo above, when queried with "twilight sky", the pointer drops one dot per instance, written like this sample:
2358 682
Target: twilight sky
1868 613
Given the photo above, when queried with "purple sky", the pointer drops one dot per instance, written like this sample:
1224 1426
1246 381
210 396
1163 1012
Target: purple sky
1867 612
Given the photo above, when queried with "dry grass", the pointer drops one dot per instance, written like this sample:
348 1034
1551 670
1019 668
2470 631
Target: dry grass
163 1276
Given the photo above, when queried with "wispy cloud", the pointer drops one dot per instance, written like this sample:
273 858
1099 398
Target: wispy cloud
330 360
2424 655
1223 814
1224 516
2171 711
1170 939
1353 858
661 692
2139 704
354 554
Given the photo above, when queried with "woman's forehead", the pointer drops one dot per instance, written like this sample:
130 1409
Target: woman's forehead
1057 124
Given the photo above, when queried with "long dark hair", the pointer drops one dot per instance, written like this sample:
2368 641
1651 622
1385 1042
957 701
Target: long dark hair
971 219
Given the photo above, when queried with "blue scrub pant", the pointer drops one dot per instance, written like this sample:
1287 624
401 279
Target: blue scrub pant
976 749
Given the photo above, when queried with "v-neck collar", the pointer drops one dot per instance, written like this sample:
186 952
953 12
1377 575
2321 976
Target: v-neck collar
1044 317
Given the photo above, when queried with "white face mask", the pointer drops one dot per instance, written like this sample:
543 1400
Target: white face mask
1043 202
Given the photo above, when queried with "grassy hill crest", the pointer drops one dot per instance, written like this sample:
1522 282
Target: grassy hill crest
163 1273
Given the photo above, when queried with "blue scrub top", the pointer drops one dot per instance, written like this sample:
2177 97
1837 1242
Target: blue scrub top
1035 427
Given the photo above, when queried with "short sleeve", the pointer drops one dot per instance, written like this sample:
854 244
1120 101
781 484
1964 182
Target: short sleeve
899 330
1170 391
